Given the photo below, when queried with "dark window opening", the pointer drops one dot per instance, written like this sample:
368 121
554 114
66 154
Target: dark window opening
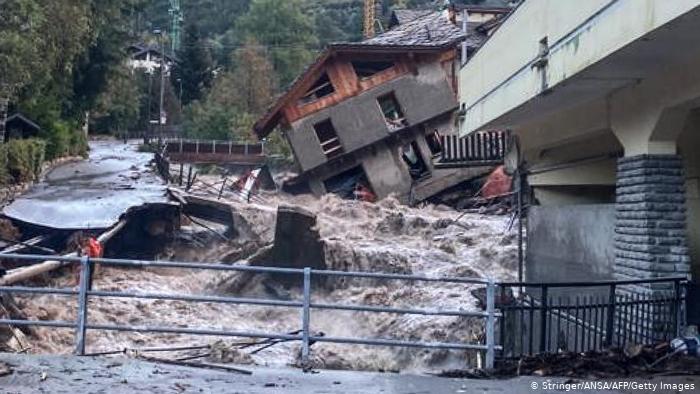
351 184
412 157
434 142
328 138
322 88
367 69
391 110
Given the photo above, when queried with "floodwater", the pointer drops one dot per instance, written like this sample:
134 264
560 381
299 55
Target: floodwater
92 193
383 237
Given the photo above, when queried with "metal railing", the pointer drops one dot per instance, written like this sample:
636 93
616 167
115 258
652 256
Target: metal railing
487 148
306 305
194 146
585 316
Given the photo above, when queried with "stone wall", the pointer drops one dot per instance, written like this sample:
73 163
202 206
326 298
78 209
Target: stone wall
650 239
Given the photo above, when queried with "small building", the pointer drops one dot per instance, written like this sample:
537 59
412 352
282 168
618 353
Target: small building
19 126
148 58
372 114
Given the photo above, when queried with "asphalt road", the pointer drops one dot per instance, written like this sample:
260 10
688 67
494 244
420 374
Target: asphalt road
93 193
65 374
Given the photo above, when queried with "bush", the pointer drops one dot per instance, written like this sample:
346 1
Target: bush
64 139
21 160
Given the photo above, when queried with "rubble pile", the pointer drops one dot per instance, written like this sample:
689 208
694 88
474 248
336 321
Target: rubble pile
632 361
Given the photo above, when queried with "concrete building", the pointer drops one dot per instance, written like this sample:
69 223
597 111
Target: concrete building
373 113
605 98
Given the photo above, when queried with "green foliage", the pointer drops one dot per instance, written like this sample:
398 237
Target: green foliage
286 31
236 99
20 44
118 106
207 122
194 68
21 160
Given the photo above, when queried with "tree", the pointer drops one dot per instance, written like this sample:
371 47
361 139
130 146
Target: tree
253 78
118 105
236 98
20 43
285 30
194 67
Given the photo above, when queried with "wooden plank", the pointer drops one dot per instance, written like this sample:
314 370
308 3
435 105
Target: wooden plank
25 273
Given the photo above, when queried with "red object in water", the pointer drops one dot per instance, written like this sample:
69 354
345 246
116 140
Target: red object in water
363 193
497 184
93 248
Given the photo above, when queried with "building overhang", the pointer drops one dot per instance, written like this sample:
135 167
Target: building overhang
618 44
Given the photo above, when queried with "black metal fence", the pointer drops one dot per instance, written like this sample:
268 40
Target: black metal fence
579 317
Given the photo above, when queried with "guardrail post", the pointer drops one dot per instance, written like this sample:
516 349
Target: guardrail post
490 324
81 326
306 318
543 319
609 323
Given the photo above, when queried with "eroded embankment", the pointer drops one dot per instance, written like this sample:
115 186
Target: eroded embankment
383 237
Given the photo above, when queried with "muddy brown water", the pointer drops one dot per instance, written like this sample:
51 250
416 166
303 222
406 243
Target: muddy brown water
383 237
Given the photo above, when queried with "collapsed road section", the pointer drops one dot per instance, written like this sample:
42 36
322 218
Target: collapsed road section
91 194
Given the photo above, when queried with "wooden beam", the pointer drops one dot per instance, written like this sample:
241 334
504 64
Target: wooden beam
25 273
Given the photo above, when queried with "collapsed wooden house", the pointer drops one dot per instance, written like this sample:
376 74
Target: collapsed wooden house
375 115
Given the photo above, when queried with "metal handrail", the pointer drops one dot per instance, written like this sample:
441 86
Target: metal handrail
306 337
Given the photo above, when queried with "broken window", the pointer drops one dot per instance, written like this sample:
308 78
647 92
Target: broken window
412 157
392 112
434 142
322 88
328 138
366 69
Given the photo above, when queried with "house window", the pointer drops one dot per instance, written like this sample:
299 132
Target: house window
328 138
322 88
413 159
393 115
366 69
434 142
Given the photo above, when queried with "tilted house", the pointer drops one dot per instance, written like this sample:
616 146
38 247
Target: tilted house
373 113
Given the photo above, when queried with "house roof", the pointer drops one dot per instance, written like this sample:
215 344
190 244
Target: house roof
429 33
401 16
431 29
17 116
138 50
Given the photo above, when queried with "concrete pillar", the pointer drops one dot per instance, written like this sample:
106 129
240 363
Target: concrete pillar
650 240
650 237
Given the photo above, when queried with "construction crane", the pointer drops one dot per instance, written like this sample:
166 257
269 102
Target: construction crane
370 18
176 19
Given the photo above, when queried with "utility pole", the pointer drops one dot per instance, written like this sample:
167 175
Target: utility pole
4 102
162 81
176 19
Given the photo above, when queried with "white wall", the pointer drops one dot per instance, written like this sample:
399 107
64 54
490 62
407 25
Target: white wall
500 76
